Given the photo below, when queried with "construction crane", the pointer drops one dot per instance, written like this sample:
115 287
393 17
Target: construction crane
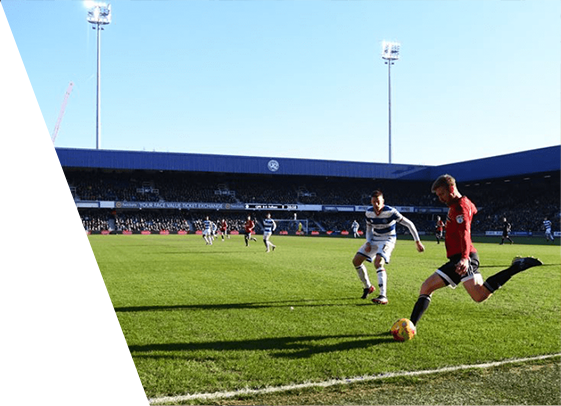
61 114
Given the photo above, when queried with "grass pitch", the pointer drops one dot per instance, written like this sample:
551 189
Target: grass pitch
202 319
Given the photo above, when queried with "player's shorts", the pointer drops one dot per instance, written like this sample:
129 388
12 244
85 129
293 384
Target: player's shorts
267 234
207 231
448 271
382 248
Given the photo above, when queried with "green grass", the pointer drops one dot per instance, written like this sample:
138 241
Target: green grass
203 318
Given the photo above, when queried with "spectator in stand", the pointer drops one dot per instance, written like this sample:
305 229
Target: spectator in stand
439 229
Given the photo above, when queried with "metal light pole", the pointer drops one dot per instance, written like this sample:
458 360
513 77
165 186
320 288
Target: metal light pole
99 15
390 53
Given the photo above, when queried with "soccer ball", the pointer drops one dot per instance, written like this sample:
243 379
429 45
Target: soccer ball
403 330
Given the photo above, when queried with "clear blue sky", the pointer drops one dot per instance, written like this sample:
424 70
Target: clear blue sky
300 79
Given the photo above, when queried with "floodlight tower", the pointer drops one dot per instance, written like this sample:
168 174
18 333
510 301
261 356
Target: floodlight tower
99 14
390 53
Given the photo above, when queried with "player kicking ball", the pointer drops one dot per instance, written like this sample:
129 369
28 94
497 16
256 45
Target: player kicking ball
463 260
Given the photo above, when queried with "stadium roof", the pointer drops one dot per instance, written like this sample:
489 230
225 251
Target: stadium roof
536 161
15 124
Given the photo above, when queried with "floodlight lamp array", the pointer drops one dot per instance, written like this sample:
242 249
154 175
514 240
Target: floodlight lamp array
390 50
100 14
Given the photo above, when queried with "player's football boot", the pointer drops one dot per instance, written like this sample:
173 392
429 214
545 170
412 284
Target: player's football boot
382 300
367 291
523 263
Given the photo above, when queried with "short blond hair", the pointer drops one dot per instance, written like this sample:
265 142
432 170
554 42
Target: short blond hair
443 180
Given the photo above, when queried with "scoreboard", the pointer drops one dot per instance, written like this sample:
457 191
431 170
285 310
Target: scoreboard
253 206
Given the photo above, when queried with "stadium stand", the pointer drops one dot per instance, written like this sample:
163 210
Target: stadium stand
104 199
150 192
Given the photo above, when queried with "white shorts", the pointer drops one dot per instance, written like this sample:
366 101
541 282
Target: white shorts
266 235
382 248
207 232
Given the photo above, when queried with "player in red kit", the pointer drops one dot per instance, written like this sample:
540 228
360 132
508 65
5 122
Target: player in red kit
463 260
224 229
248 228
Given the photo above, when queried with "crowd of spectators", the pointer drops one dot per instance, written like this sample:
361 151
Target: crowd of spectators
176 187
151 221
525 204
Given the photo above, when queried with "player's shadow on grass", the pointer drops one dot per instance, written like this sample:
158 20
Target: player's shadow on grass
280 347
250 305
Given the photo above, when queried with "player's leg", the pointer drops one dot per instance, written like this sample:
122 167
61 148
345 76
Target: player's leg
431 284
266 241
379 264
499 279
362 272
383 254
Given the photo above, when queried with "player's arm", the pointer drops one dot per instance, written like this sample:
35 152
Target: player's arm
274 225
369 233
413 230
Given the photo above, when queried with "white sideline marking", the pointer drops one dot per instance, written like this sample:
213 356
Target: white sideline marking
9 339
332 382
123 398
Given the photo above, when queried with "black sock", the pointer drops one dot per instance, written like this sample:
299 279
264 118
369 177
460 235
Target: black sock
422 304
499 279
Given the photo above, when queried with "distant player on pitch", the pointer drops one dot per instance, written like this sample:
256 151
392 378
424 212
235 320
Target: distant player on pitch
224 229
547 227
269 226
381 236
506 231
207 230
248 229
355 226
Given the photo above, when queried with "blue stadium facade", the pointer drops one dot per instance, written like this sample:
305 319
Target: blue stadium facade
543 160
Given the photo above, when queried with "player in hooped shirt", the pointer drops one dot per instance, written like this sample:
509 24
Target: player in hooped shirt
463 260
269 226
547 227
381 236
207 230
